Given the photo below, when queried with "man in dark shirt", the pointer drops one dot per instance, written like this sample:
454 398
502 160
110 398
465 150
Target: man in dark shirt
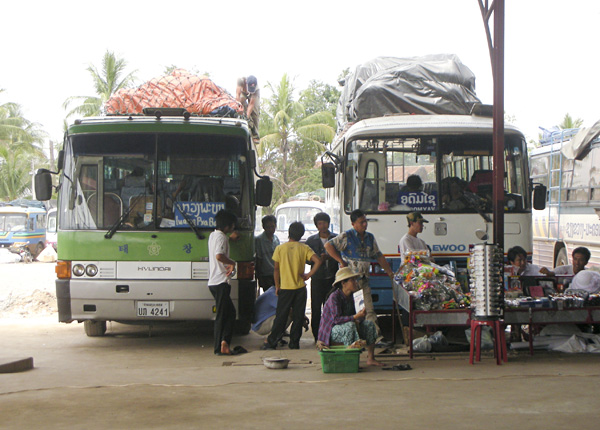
322 280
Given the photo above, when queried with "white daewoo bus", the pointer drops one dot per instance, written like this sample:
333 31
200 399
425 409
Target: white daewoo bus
572 217
452 157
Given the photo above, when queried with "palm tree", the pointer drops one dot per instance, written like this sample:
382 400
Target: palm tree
20 145
107 82
291 139
569 122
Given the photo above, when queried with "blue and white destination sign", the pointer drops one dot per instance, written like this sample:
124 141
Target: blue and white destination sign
418 201
202 214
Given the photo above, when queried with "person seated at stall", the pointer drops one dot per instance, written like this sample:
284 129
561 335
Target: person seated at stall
580 257
517 257
341 324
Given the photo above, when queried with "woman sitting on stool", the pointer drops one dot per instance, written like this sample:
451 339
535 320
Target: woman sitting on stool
339 322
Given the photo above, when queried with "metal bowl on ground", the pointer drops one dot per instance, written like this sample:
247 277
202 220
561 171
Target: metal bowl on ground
276 362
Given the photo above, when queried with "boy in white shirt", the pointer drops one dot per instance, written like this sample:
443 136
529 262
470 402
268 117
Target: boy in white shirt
410 241
220 269
517 256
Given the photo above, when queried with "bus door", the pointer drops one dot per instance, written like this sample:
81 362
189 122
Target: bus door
94 212
371 180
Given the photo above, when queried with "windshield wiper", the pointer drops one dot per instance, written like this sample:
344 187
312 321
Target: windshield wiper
109 234
187 218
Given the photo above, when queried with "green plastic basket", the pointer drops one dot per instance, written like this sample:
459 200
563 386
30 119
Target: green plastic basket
340 359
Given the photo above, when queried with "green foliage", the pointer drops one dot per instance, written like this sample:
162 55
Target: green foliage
194 71
319 97
20 150
569 122
106 82
293 137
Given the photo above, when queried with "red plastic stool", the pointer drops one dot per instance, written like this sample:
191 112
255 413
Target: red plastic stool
499 340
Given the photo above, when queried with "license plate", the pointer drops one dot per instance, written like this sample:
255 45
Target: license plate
153 309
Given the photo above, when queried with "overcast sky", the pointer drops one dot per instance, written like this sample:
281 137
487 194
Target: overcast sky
551 47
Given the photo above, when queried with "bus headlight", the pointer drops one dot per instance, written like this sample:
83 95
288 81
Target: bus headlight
91 270
78 270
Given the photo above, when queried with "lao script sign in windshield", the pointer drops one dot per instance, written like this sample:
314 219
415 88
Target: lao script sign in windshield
201 213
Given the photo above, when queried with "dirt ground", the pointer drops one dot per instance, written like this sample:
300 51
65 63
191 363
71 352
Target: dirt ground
27 290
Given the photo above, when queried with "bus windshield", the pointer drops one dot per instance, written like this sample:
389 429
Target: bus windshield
156 181
433 174
13 222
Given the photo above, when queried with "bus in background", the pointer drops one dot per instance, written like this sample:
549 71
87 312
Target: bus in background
303 211
23 225
452 156
568 164
137 201
51 229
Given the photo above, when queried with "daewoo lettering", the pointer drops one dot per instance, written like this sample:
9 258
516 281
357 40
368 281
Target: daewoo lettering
451 248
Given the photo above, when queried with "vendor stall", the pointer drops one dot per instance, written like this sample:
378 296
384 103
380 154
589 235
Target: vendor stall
430 294
433 298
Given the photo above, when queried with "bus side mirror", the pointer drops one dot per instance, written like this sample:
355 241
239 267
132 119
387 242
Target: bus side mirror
539 197
264 191
60 163
328 175
43 185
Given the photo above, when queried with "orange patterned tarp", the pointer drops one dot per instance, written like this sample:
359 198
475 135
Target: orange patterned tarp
180 89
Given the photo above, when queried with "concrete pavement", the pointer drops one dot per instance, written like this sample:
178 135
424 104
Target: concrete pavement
172 379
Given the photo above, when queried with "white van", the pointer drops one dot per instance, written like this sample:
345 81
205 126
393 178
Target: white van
303 211
51 229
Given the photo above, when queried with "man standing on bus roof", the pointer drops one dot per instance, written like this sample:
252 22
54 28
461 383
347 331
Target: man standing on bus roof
410 241
581 257
356 248
248 94
265 244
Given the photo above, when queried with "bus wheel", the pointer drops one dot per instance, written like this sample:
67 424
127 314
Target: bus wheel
94 328
562 259
38 249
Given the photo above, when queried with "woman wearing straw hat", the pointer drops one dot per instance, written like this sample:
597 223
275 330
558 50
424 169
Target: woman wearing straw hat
341 324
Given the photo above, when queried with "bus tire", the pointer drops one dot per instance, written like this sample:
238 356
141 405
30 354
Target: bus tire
562 259
94 328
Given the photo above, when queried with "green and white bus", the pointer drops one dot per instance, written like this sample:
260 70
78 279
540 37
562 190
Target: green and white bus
137 197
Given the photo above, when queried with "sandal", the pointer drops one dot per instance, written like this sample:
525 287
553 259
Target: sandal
398 367
239 350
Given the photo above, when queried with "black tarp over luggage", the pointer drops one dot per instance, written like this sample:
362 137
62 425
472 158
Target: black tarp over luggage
433 84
